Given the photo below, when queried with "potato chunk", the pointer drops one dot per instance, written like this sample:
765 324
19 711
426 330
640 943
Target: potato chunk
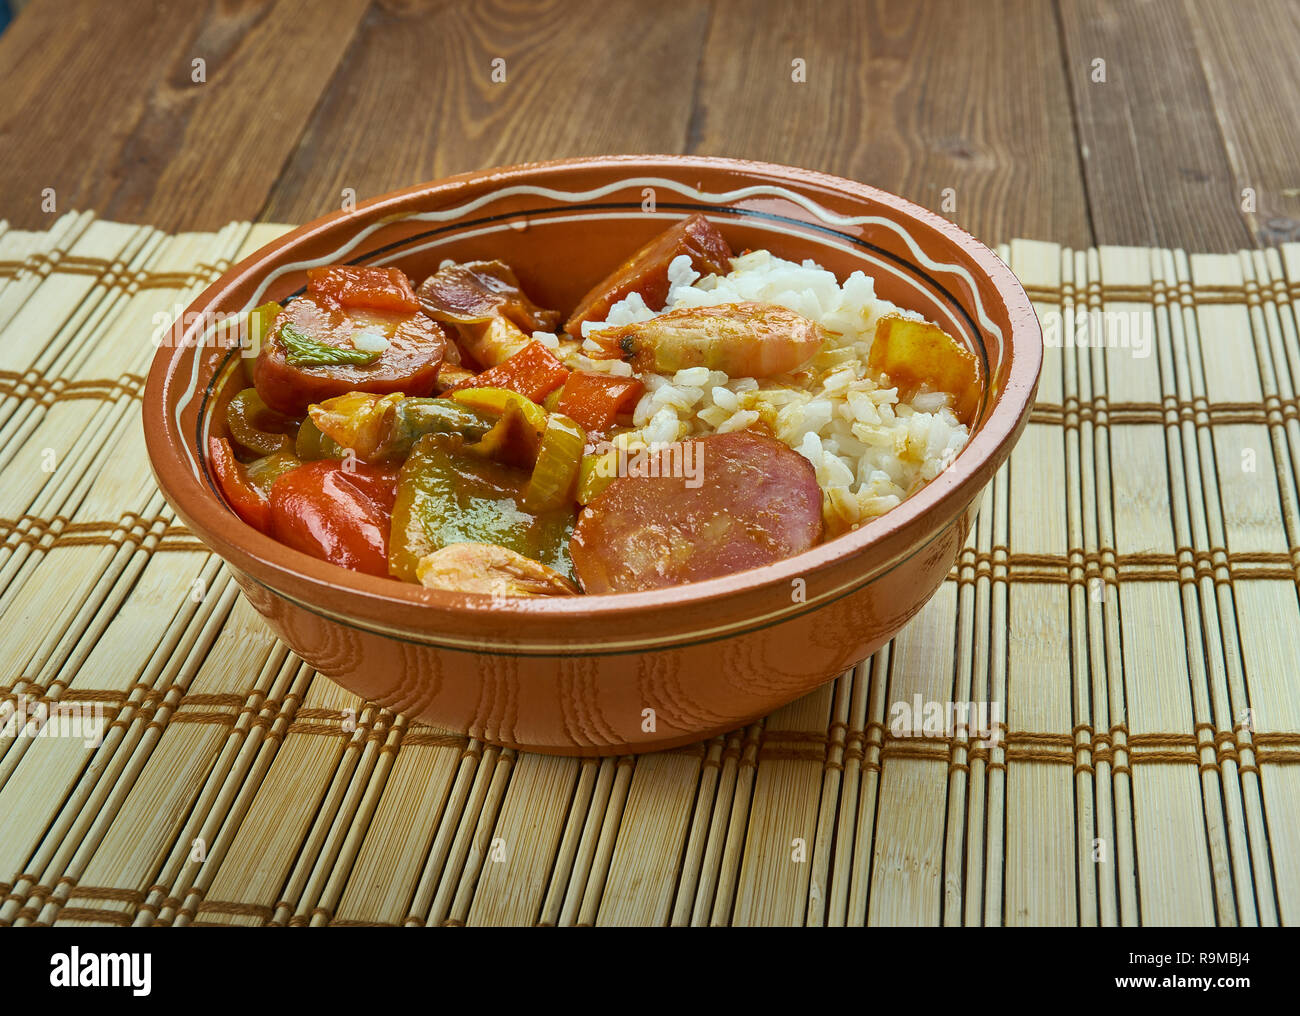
920 356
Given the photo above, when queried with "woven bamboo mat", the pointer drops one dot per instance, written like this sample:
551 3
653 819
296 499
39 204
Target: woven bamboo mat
1128 602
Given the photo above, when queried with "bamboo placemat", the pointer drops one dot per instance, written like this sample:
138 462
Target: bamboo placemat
1128 598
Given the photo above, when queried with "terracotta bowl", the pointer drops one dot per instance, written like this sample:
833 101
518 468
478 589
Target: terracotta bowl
596 675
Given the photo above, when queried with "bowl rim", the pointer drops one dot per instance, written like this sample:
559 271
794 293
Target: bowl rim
947 496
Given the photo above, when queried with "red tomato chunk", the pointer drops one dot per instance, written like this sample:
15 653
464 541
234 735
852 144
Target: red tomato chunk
341 515
248 502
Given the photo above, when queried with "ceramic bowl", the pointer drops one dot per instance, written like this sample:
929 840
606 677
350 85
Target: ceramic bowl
608 674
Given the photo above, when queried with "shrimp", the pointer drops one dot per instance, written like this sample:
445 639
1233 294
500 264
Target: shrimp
487 568
739 339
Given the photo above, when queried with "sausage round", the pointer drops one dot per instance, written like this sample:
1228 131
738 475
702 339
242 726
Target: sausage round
646 271
409 365
719 504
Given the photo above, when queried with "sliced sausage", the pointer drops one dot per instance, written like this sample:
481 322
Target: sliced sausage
646 271
409 364
736 501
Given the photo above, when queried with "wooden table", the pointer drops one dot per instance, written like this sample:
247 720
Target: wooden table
1080 121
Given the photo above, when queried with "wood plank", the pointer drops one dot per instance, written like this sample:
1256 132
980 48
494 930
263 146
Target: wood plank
1248 51
416 100
1153 156
102 107
914 98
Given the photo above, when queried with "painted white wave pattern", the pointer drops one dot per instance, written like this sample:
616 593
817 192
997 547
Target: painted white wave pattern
449 214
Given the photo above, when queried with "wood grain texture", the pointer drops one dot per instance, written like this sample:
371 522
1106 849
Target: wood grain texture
1249 54
1149 137
101 105
986 112
419 95
914 98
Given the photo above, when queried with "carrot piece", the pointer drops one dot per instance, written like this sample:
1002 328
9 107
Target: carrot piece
533 372
594 401
351 286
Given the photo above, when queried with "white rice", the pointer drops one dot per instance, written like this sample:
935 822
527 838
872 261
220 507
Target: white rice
870 449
